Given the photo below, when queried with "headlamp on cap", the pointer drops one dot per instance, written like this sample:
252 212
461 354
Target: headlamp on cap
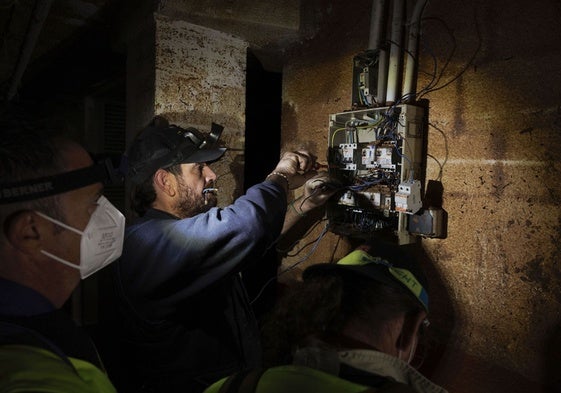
163 146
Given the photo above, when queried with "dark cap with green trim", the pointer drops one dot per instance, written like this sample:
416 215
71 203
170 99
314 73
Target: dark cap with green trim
388 264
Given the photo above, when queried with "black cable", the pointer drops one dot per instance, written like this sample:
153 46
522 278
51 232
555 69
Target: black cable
276 276
469 63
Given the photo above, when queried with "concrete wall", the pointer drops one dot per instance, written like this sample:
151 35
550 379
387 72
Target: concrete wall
495 129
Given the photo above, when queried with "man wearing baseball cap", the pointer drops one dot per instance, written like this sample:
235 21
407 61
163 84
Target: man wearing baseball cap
350 326
184 317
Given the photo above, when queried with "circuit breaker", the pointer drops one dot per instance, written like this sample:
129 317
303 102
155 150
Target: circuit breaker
378 156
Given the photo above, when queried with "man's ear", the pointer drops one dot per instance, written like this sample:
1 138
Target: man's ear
22 231
165 182
410 330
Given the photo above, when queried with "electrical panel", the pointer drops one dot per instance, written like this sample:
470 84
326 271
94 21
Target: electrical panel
377 156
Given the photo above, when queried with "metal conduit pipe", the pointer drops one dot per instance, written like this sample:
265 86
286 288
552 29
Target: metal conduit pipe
411 65
42 8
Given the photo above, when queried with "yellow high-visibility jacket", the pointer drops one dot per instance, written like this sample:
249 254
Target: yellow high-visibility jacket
297 379
25 368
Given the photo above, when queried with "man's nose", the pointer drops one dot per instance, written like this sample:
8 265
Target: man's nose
209 174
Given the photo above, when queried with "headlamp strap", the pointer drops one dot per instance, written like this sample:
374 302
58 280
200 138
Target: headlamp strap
51 185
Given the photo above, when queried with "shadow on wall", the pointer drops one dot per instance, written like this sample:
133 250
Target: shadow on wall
456 370
443 317
553 359
459 372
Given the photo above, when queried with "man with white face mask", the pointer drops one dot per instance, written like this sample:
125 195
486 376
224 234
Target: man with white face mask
57 229
350 326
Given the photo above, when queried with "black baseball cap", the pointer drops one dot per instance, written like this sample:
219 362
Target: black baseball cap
162 145
386 263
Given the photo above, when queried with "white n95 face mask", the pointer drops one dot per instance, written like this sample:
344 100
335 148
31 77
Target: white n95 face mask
101 241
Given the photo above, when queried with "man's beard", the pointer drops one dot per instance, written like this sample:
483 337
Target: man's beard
190 204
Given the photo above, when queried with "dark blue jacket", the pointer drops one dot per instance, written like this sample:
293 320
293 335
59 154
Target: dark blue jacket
29 318
184 316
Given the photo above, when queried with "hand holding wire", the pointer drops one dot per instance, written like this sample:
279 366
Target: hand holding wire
296 167
318 190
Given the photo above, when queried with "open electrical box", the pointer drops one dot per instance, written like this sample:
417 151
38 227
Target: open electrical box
377 150
377 154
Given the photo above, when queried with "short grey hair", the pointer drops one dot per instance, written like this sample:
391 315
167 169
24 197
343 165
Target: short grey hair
25 154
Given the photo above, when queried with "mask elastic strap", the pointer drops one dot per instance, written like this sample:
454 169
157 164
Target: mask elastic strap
413 350
63 261
65 226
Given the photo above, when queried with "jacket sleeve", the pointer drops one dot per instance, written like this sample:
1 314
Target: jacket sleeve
167 260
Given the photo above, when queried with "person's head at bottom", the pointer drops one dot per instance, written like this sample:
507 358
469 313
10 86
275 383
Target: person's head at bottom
349 326
373 298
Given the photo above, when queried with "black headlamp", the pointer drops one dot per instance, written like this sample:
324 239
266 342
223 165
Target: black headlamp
102 172
193 140
164 146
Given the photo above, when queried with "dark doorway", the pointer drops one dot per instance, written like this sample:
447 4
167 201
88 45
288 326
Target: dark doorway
262 153
263 121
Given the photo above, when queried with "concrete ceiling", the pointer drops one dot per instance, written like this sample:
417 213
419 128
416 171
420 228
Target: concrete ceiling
269 25
38 33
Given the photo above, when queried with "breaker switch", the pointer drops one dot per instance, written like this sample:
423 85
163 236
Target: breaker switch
408 197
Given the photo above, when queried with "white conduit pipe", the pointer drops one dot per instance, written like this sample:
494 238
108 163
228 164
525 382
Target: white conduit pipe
410 79
377 22
377 32
382 77
395 66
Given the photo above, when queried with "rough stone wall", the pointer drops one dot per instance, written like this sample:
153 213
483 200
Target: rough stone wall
495 142
200 79
193 76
